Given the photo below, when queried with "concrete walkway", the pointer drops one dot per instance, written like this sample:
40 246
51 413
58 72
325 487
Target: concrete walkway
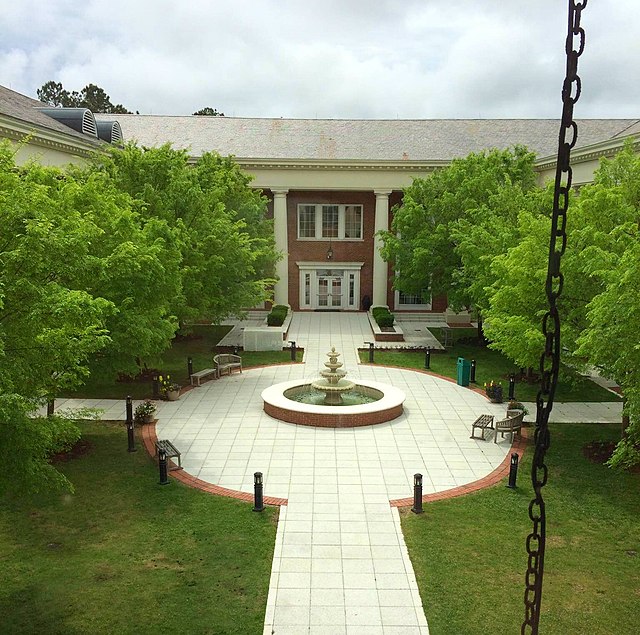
340 565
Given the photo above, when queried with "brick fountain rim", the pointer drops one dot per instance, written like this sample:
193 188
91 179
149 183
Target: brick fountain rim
279 407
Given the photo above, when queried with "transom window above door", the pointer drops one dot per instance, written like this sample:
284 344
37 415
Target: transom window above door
322 222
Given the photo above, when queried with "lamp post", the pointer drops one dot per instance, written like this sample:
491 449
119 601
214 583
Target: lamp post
162 466
417 494
371 349
472 377
512 386
131 442
293 350
427 358
258 503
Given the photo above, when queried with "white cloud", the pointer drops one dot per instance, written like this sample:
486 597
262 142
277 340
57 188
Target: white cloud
336 58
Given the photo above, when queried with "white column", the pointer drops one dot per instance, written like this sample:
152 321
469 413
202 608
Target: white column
281 289
380 267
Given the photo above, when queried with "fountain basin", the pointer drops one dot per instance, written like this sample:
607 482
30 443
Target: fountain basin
387 408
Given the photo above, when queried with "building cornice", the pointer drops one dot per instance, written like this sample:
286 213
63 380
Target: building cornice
17 130
335 164
608 148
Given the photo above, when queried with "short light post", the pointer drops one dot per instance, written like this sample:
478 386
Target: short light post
417 494
236 349
427 358
258 502
189 367
371 349
156 386
131 441
513 471
292 344
162 466
512 386
51 406
472 377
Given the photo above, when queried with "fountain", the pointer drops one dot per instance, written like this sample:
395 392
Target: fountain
333 383
333 401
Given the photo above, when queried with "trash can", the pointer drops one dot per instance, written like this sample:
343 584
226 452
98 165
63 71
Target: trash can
464 371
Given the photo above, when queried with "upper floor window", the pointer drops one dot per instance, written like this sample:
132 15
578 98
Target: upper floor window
330 221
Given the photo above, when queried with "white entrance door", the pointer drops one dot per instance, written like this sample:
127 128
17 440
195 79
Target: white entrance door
329 292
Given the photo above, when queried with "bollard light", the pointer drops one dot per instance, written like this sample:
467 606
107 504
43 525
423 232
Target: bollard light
513 471
417 494
371 349
131 440
258 503
236 350
293 350
512 386
427 358
156 386
472 377
162 465
189 367
51 406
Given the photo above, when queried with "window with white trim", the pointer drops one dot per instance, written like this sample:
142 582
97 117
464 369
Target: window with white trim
322 222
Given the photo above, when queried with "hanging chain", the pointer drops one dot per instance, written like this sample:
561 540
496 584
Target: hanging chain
550 359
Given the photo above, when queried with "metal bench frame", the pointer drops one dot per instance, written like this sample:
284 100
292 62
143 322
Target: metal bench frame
170 450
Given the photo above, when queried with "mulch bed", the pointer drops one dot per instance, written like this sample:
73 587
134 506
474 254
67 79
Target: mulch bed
600 452
81 448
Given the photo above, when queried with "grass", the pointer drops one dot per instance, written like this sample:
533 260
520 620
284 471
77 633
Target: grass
490 365
125 555
469 553
200 347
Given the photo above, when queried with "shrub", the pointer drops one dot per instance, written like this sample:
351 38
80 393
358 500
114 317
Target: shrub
277 315
383 316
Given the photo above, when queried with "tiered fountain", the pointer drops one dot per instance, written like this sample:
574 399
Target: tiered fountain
333 401
333 384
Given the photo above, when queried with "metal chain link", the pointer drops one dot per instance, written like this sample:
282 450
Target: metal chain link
550 359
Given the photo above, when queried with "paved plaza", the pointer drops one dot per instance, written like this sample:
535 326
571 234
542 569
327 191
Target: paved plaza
340 565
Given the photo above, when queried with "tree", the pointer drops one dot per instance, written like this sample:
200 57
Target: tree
226 243
209 112
422 242
91 96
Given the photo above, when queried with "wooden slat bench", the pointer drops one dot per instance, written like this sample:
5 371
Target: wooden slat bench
227 363
201 374
483 422
170 450
510 424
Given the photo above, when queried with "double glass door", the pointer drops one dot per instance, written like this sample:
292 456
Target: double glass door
329 291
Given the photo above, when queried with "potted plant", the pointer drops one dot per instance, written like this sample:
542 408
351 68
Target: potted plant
169 388
514 408
494 391
144 412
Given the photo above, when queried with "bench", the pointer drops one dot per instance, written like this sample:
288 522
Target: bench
227 363
170 450
201 374
483 422
510 424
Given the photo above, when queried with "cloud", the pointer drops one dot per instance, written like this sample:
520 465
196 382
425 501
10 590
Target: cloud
337 58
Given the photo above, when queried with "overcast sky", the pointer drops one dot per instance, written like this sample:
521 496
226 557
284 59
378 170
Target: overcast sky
330 59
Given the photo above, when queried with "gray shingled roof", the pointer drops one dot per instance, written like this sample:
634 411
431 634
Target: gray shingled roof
23 108
346 139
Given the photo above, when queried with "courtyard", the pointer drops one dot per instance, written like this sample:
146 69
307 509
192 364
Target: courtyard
340 563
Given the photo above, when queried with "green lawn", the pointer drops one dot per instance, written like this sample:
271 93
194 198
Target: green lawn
200 347
490 365
126 555
469 553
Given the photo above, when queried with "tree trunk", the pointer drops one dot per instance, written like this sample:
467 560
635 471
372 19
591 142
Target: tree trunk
625 419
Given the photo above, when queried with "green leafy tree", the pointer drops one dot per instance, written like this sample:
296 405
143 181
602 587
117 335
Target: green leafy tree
219 223
422 242
208 112
91 96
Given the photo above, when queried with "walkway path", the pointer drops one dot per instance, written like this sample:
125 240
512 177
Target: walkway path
340 563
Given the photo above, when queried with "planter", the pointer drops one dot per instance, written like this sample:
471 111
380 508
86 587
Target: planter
496 400
173 395
142 419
